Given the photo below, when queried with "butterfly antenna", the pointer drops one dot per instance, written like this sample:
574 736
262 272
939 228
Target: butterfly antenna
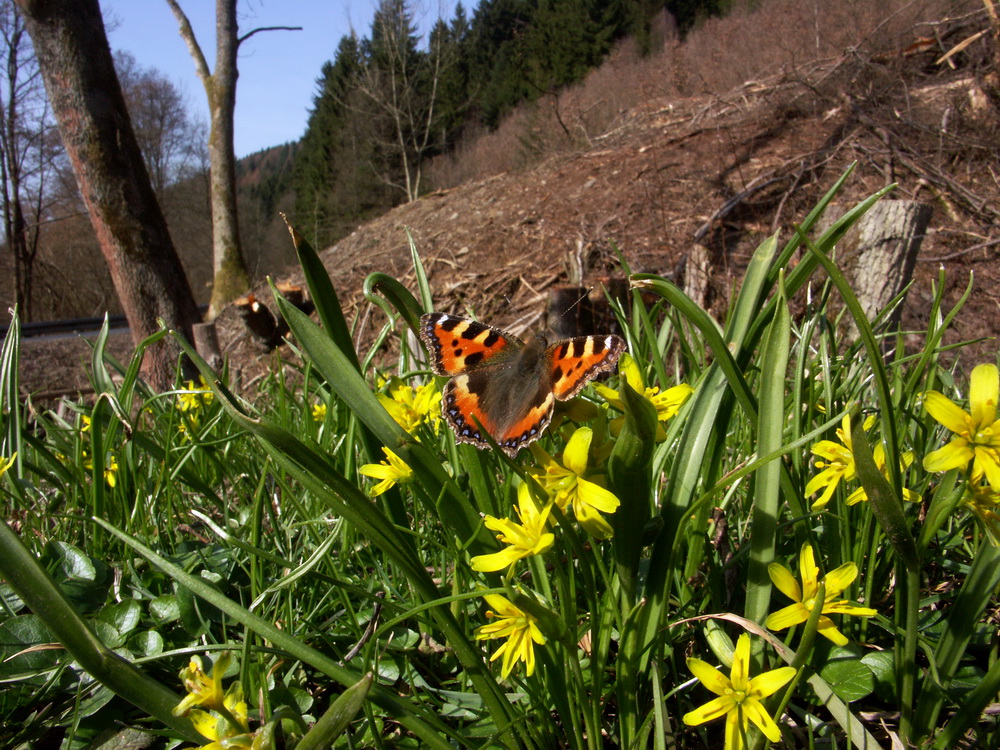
559 309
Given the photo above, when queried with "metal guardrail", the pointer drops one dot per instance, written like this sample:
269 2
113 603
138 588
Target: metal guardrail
72 325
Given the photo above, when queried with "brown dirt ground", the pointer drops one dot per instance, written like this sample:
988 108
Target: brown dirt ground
738 168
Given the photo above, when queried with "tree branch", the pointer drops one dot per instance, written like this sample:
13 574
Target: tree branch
263 28
187 34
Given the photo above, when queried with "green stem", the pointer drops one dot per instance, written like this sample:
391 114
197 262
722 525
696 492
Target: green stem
908 668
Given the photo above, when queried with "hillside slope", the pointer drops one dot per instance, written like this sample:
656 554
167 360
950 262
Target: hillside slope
723 172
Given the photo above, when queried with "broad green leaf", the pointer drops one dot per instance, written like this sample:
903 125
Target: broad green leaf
123 616
850 679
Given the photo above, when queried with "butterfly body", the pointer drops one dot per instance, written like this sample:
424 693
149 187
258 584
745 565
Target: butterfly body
509 386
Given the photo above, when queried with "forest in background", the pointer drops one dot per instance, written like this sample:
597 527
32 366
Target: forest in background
396 116
385 105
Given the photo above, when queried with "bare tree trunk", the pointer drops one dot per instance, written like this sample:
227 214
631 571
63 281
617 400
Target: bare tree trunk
230 277
75 59
888 241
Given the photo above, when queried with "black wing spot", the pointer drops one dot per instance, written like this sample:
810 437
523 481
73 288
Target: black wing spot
471 360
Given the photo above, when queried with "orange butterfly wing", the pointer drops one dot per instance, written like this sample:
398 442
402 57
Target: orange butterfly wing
505 386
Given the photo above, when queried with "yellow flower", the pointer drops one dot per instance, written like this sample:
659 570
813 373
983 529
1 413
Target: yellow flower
520 630
6 463
391 473
566 484
220 728
412 407
977 435
805 596
110 468
195 396
524 540
319 412
667 403
984 502
203 690
861 494
110 471
839 465
739 696
85 421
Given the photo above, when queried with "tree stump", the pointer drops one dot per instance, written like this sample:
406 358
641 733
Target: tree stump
697 274
886 241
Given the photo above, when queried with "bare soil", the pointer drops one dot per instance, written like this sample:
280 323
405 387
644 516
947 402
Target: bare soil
724 173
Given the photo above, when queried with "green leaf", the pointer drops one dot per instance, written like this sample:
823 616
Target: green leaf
19 638
146 643
851 679
883 667
164 609
124 616
74 563
108 634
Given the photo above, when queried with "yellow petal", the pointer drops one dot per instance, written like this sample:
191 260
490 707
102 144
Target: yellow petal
378 471
827 629
947 413
756 713
575 454
858 496
782 578
954 455
740 672
767 683
736 729
205 724
712 710
630 370
984 391
839 579
988 463
843 607
788 616
592 494
592 521
709 676
808 571
495 561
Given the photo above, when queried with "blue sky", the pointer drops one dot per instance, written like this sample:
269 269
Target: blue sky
277 69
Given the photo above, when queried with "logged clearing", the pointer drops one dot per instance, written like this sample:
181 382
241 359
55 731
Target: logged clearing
718 174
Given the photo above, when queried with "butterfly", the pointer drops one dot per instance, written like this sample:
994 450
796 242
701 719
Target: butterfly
508 385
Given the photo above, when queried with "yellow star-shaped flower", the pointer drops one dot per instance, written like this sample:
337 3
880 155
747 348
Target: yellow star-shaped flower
525 539
739 696
667 403
396 471
411 407
220 729
203 690
804 596
984 502
568 484
977 434
520 630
